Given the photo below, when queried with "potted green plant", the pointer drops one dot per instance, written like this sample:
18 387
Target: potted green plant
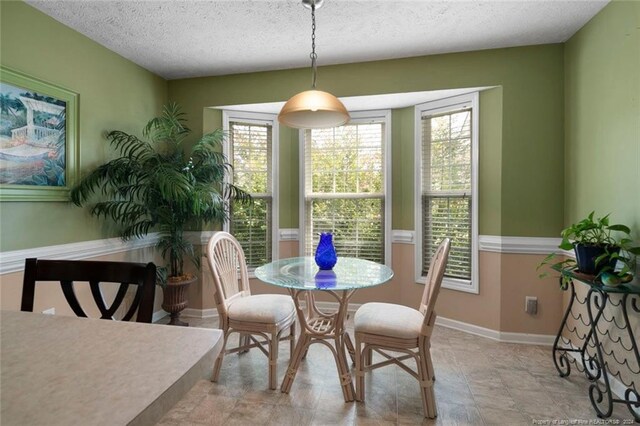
155 185
599 247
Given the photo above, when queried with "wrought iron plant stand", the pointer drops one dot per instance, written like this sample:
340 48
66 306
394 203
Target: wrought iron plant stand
601 344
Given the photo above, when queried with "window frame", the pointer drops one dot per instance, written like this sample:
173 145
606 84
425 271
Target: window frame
258 119
357 117
452 104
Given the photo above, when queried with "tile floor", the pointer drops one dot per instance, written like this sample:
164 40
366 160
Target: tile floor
478 381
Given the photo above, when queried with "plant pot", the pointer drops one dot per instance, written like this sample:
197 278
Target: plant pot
586 256
175 299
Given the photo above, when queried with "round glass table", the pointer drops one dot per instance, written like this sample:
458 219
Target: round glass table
302 278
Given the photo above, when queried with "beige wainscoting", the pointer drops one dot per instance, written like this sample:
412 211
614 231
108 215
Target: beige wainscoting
505 280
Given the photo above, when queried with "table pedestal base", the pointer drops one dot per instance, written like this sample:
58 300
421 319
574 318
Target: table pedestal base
326 328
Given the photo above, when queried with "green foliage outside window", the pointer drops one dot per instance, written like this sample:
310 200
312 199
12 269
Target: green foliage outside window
251 224
345 191
446 182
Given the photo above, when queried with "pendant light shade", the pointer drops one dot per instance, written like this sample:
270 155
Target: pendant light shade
313 109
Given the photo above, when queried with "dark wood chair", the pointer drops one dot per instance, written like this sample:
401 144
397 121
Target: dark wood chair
94 272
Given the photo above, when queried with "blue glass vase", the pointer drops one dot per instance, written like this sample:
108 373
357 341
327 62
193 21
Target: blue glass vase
326 256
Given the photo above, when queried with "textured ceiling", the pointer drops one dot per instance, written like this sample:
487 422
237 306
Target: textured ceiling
189 38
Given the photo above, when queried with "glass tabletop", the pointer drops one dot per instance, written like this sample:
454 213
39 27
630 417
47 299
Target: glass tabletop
302 273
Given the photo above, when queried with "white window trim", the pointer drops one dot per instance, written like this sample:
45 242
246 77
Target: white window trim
434 107
356 117
258 118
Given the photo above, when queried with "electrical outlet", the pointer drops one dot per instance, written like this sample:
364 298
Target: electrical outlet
50 311
531 305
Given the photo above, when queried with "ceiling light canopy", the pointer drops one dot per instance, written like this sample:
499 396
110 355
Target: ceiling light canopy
313 108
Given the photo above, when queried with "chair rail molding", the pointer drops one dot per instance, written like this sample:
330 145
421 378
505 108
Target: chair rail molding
492 243
13 261
401 236
519 245
289 234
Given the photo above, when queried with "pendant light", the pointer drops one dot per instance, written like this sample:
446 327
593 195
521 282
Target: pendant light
313 108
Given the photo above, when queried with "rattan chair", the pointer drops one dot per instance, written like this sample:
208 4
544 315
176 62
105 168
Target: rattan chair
265 315
384 327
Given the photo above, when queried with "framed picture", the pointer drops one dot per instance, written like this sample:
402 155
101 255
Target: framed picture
38 139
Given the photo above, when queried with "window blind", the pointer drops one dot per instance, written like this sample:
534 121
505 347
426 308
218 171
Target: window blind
447 189
344 189
250 151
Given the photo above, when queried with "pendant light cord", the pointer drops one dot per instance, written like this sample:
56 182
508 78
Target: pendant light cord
313 54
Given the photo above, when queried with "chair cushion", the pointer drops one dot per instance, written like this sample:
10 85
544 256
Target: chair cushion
387 319
262 308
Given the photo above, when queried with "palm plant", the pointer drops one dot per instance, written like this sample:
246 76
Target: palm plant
155 185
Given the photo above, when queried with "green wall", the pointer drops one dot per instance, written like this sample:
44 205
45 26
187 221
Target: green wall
113 93
490 153
602 110
521 153
521 129
402 166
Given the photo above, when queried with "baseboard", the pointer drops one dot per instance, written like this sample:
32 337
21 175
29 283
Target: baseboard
468 328
527 338
500 336
200 313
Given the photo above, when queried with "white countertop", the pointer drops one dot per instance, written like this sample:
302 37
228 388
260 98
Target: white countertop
60 370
